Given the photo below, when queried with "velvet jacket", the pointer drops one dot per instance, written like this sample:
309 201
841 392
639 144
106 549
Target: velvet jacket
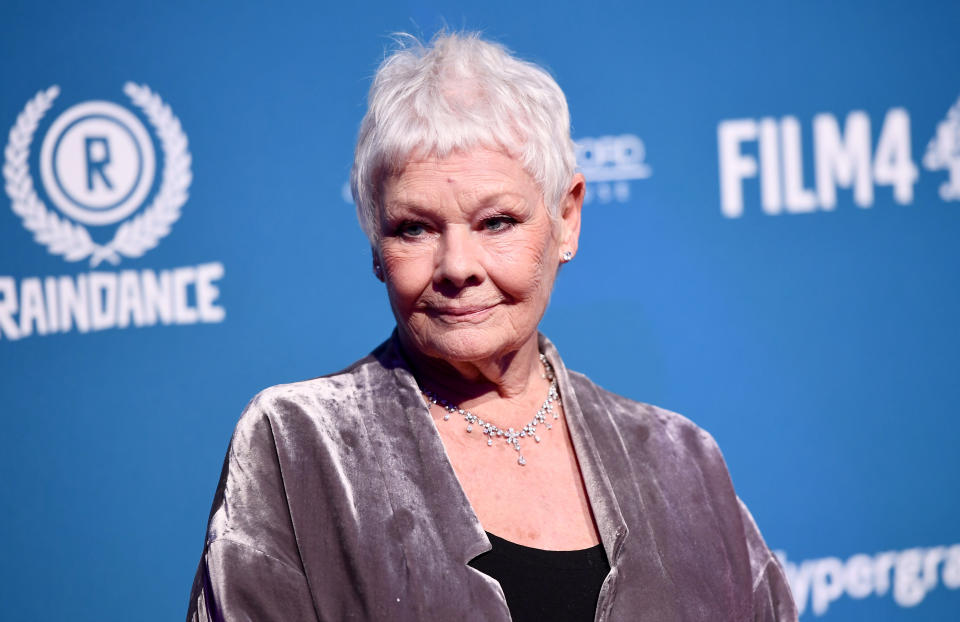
337 502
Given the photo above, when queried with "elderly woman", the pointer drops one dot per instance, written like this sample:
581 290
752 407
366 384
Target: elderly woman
461 471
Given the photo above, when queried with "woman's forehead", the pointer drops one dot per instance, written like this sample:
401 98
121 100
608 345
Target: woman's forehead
478 157
480 172
466 201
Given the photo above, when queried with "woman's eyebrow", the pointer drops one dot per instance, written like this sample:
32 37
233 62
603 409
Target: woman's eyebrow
406 206
493 197
499 198
417 207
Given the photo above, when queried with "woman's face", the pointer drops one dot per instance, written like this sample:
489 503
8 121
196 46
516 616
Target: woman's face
469 253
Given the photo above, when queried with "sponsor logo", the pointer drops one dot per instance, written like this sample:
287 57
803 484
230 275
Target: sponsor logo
907 575
610 164
943 153
97 165
843 158
98 170
100 300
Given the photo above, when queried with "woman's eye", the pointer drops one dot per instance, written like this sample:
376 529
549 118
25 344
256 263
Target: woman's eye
498 223
411 229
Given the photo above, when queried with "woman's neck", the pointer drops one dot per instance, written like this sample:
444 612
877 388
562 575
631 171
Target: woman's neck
509 375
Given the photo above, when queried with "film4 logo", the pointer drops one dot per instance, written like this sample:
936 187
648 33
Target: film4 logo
771 150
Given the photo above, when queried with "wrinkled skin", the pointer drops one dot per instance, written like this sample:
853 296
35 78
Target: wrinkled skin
469 254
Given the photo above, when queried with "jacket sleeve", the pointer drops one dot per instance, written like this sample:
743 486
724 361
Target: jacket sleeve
772 599
250 568
236 582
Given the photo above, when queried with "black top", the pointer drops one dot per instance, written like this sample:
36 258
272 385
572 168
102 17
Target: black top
545 585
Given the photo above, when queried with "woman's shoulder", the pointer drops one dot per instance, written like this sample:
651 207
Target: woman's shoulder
632 417
324 396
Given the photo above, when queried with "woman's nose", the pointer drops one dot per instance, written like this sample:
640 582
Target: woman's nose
458 258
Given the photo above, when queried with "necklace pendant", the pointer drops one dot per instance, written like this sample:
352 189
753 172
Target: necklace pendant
511 436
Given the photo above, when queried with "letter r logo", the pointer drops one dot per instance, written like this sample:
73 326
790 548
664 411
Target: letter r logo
97 152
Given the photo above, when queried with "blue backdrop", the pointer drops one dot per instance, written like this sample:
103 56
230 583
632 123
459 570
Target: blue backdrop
769 247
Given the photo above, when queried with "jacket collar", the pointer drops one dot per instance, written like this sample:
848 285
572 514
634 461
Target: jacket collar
457 523
603 503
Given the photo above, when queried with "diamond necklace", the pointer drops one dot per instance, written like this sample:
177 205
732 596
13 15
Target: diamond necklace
511 436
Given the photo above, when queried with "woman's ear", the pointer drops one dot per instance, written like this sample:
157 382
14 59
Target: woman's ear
570 209
377 265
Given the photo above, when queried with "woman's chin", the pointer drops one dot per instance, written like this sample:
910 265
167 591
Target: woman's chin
465 344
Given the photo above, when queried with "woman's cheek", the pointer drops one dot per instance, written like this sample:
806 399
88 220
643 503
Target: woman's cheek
530 248
399 257
517 273
408 271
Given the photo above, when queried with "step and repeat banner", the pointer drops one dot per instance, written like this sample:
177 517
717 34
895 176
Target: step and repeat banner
770 247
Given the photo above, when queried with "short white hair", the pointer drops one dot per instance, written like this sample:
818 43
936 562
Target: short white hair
453 94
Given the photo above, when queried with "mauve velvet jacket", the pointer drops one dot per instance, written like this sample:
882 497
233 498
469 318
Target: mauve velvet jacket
337 502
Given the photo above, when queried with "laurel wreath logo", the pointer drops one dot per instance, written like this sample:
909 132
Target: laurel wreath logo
71 240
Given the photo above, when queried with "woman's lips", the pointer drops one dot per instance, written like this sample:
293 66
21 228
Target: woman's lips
461 313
